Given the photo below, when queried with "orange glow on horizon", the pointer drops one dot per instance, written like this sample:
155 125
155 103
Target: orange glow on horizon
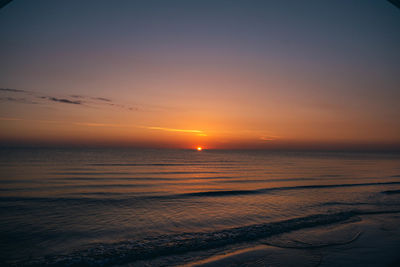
199 148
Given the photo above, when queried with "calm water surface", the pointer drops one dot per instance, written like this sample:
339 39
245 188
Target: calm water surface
106 206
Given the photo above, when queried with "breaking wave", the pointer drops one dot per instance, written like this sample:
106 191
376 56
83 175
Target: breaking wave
134 250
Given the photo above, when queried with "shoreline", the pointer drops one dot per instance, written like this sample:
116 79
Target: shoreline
378 244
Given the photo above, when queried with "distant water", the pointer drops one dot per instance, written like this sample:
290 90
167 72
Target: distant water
111 206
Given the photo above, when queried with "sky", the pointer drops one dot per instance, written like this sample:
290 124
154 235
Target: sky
218 74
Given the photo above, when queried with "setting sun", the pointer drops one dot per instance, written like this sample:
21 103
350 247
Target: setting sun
199 148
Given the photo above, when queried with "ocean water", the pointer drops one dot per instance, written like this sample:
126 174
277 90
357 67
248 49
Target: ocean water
127 206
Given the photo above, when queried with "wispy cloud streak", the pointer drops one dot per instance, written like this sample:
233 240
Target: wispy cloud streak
13 90
102 99
17 100
173 130
30 97
95 124
63 100
91 124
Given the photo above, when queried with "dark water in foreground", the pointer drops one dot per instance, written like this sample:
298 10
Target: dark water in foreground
111 206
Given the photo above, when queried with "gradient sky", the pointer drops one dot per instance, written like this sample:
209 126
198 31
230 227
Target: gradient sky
221 74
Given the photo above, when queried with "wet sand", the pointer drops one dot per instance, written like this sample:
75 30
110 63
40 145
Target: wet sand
372 240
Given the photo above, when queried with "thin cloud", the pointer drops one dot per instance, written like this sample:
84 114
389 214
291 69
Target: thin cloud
91 124
173 130
267 138
88 124
31 97
13 90
77 96
102 99
63 100
18 100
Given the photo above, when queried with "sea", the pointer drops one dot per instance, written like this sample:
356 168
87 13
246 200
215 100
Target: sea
164 207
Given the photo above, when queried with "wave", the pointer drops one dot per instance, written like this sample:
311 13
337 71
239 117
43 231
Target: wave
18 181
76 186
266 190
78 200
328 178
391 192
277 180
182 172
128 173
90 173
336 203
139 178
162 164
134 250
116 179
304 245
221 193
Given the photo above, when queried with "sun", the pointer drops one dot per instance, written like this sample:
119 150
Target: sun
199 148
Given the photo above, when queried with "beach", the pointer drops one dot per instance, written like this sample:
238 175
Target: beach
377 244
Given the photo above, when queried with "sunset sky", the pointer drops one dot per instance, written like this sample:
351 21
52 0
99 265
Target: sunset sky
217 74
